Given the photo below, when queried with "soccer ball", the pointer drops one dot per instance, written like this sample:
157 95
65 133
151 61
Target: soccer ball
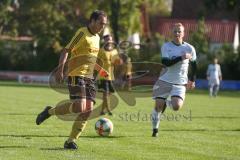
104 127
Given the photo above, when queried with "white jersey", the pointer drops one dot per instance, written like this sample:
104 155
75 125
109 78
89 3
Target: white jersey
177 73
214 73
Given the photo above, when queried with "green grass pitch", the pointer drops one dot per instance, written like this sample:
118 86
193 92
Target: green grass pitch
204 129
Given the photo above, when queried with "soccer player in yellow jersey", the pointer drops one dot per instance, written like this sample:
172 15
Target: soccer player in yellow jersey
83 48
109 57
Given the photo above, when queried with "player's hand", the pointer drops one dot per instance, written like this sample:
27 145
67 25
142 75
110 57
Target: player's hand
186 56
190 85
103 73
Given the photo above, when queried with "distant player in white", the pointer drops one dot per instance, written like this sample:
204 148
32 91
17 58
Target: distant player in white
176 56
214 76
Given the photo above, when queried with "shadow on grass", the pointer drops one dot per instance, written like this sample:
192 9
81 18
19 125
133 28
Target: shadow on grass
30 136
40 136
55 149
108 137
13 147
200 130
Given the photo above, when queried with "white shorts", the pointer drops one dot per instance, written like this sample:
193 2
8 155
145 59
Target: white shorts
162 89
213 82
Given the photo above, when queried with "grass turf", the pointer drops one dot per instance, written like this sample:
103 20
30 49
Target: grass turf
204 129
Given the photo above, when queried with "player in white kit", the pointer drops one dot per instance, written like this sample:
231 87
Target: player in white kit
176 56
214 76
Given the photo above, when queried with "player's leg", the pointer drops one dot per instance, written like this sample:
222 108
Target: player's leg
176 103
107 102
75 86
215 90
156 114
124 82
177 97
79 106
78 126
62 110
77 90
161 90
104 98
210 89
109 91
129 83
81 121
103 103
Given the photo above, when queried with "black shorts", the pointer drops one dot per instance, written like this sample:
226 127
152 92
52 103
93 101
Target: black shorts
81 88
106 85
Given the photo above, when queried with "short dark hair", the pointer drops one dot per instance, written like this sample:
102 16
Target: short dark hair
96 14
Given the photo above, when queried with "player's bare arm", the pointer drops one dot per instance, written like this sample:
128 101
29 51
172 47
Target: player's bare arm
61 63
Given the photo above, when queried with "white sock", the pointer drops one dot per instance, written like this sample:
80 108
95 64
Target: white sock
211 91
169 104
155 119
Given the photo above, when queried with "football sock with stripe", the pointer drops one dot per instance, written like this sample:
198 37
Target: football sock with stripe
155 119
77 128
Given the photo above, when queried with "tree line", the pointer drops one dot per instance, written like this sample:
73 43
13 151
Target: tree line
51 24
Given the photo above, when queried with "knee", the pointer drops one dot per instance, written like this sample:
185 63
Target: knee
177 106
159 107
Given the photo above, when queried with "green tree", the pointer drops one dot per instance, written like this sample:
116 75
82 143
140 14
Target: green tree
229 61
8 22
159 7
200 41
53 23
124 18
199 38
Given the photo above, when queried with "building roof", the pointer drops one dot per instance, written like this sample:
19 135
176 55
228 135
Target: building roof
216 31
210 9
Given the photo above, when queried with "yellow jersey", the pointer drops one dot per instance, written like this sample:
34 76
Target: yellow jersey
84 48
108 59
